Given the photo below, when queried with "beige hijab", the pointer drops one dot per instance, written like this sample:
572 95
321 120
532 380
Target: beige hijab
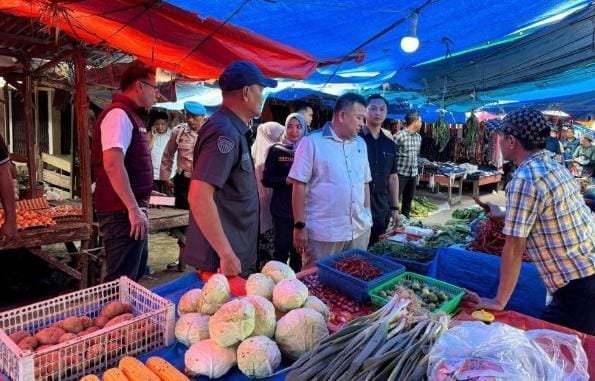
267 135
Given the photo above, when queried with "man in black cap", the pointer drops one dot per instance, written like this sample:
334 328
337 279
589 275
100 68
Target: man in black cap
546 216
223 228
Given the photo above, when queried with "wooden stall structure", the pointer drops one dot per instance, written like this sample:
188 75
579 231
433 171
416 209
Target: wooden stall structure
33 52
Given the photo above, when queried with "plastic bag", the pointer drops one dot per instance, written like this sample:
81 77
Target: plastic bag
480 352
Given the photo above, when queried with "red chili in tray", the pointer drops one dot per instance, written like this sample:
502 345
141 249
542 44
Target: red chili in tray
358 268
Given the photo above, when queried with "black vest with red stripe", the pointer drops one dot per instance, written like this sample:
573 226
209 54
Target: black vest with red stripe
137 160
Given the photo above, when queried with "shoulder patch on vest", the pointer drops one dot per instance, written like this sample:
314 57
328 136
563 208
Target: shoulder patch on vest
225 144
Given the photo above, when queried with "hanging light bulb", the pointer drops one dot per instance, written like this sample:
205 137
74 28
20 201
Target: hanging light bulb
410 43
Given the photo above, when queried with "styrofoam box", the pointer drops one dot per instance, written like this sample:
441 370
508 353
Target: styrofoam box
152 327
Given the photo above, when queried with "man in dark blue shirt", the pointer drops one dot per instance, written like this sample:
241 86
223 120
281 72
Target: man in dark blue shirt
384 188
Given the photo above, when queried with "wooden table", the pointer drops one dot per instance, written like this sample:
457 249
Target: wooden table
449 181
34 239
160 219
484 180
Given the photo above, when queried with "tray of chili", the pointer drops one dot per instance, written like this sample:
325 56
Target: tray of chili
356 272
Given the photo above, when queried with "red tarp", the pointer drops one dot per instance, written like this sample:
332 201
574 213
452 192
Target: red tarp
165 36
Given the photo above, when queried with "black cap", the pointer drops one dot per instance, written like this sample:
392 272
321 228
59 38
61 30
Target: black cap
242 73
527 124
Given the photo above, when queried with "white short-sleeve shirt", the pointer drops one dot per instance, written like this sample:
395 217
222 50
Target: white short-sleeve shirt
336 172
116 130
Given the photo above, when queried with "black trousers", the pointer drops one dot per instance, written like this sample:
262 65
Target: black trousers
379 227
573 306
124 254
181 186
407 186
284 243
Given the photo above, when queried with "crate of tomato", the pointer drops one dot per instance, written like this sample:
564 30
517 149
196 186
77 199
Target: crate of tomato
356 272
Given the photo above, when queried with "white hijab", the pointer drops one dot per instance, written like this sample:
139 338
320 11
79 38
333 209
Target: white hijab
267 135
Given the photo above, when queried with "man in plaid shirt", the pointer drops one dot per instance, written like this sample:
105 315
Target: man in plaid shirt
408 142
546 214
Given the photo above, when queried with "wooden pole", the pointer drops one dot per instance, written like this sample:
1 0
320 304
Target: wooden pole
81 108
29 127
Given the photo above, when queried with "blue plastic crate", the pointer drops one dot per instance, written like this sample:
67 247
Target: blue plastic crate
351 286
418 267
421 268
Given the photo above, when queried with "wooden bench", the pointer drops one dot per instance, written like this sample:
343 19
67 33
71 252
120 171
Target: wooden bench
484 180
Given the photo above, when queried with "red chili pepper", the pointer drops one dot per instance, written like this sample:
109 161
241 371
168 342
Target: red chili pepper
357 268
491 239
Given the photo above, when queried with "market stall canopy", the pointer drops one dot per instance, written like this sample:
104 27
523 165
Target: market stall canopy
164 36
366 33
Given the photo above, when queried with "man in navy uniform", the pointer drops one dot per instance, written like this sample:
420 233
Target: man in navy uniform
223 228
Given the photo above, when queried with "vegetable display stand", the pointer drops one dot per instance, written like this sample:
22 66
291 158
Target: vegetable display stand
453 293
416 259
352 286
152 327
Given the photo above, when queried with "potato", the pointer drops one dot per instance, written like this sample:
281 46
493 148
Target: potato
72 360
119 319
94 352
87 321
127 307
67 336
42 347
112 309
113 349
59 324
28 343
49 335
73 324
19 335
100 321
88 331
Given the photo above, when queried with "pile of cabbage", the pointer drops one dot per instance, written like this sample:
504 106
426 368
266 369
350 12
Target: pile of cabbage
276 318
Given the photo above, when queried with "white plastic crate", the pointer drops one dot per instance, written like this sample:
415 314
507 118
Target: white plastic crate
151 328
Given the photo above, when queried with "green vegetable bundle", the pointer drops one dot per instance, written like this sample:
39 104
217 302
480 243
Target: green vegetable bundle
472 130
441 132
422 207
448 235
391 344
403 251
468 214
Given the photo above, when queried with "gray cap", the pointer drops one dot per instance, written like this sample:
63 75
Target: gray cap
243 73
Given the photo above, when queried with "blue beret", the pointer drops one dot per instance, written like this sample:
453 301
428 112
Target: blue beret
195 108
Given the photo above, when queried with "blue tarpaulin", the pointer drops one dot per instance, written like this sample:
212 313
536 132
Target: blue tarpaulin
495 50
480 273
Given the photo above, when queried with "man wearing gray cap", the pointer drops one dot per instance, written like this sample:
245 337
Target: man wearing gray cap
223 228
546 215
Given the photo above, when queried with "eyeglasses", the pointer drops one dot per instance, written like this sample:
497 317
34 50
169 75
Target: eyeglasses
155 87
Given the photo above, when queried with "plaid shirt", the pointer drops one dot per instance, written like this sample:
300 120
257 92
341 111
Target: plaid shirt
408 145
544 205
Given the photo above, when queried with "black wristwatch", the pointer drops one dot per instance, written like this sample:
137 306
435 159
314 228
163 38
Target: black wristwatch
394 208
299 225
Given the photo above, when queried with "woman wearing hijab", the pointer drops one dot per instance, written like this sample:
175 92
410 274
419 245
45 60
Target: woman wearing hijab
267 135
276 169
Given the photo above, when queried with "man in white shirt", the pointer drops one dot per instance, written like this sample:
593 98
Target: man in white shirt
330 176
121 162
